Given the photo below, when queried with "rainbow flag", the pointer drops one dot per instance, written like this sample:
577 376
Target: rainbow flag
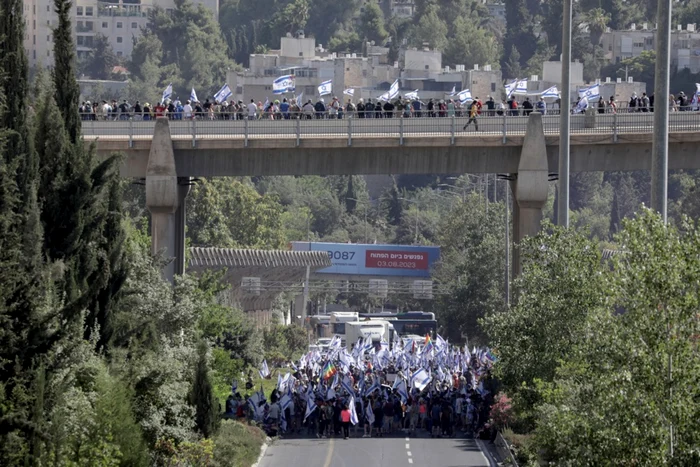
428 346
329 371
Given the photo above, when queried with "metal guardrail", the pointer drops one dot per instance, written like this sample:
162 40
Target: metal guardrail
401 129
504 451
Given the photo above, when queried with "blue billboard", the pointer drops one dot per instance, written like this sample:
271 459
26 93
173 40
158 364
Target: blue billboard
375 260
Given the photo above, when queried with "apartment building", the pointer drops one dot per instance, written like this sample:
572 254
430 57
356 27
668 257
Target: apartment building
685 44
120 21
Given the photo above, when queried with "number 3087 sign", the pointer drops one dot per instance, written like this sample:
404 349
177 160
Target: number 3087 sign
375 260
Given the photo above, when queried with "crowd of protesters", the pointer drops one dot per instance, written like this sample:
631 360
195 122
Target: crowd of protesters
439 392
286 109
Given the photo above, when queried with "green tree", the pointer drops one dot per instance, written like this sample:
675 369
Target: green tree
512 68
202 396
470 44
67 91
636 373
372 24
562 280
430 28
519 33
229 213
472 266
101 59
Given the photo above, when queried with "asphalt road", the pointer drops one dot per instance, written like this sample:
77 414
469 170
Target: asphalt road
392 451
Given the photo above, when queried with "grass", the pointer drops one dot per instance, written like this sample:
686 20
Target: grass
237 444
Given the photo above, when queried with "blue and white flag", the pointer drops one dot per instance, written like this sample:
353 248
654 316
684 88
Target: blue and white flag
590 93
325 88
283 84
223 93
510 88
167 93
394 90
353 411
300 97
695 101
464 96
369 414
193 96
551 92
264 370
454 91
420 379
521 87
412 95
349 92
310 407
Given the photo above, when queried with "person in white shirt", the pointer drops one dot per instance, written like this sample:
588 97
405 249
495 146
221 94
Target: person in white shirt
187 110
252 110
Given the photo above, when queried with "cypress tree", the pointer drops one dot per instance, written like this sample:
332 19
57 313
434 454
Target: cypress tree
67 89
203 398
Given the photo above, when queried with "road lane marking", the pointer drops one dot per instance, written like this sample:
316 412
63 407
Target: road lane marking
407 438
329 456
409 453
410 461
408 446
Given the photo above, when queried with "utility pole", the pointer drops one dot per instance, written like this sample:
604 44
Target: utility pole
507 229
565 118
659 153
659 150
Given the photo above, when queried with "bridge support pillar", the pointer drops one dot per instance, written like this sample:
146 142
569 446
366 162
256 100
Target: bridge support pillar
165 196
530 188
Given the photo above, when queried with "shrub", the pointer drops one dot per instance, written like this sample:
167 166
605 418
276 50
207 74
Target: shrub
237 444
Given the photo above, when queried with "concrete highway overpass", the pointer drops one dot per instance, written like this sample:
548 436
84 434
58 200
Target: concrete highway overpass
168 153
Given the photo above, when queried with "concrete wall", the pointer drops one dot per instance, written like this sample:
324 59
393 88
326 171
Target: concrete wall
551 72
425 60
484 83
294 47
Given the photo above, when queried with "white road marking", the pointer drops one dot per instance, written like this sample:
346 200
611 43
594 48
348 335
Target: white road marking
408 446
407 438
409 453
410 461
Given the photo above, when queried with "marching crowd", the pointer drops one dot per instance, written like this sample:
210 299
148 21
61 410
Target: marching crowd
335 109
378 391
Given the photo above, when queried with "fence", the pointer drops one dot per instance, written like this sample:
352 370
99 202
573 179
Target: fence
401 129
505 453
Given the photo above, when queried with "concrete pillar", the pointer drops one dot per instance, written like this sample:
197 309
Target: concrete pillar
163 196
183 189
531 187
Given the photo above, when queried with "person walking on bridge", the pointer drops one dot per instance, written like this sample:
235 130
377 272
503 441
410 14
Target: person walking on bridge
473 114
345 420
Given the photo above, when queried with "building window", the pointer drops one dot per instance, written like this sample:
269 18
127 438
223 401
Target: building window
34 39
48 8
79 11
134 25
34 25
48 53
119 39
427 67
119 53
88 25
34 54
638 45
119 25
104 25
88 11
493 87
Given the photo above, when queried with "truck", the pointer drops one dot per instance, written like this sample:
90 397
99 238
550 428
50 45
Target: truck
339 320
377 329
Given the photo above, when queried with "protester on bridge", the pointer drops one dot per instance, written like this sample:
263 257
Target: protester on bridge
345 419
473 113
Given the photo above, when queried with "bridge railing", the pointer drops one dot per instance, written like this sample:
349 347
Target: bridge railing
401 129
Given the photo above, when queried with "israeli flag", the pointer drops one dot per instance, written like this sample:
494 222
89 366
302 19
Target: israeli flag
412 95
454 91
551 92
464 96
521 87
325 88
590 93
299 98
310 407
283 84
223 93
369 414
353 411
349 92
193 96
510 88
394 90
264 370
167 93
694 102
420 379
